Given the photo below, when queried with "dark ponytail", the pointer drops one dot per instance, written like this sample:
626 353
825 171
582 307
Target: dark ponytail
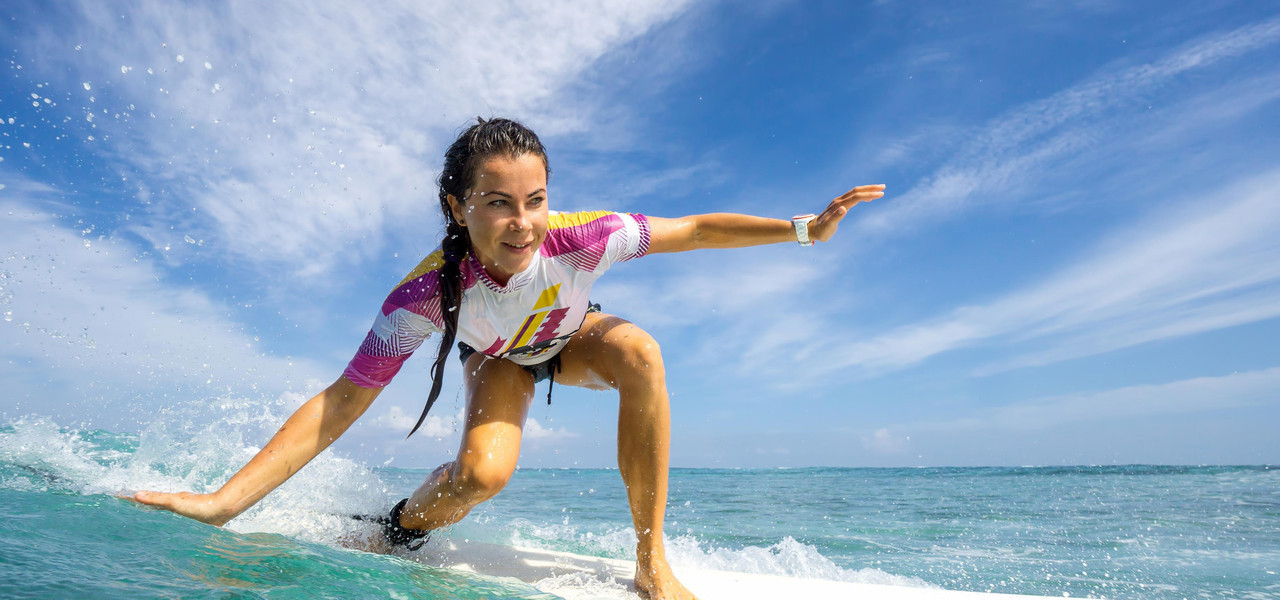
485 139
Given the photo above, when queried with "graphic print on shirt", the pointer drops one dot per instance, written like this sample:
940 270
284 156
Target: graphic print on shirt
537 329
525 321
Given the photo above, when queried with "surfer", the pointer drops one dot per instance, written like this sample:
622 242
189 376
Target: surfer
511 283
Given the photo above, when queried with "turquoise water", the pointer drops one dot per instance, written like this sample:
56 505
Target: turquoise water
1114 532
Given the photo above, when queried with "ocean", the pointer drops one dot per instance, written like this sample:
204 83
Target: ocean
1132 531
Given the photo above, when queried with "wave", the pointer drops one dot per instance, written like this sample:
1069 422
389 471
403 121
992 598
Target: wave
788 557
176 453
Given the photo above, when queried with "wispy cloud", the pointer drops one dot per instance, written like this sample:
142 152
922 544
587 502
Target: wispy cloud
296 130
1213 265
94 311
1188 396
1016 147
1207 267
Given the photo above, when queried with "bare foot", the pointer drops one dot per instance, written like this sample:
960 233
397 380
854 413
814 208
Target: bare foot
655 581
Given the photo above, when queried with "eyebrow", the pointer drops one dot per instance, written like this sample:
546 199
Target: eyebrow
531 194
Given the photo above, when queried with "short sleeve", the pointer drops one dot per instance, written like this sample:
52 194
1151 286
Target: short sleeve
409 315
594 241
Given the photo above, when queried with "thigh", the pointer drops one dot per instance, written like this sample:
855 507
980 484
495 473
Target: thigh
498 396
606 350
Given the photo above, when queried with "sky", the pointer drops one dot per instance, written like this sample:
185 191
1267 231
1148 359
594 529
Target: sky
1077 260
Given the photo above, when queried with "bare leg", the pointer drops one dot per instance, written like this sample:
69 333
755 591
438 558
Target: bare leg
498 396
611 352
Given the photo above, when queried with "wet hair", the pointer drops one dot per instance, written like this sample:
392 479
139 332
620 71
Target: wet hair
481 141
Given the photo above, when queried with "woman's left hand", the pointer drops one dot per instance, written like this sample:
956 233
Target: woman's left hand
823 227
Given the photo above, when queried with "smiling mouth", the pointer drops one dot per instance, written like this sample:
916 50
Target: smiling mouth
517 246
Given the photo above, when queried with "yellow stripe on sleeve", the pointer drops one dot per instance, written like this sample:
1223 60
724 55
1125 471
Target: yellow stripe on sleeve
570 219
432 262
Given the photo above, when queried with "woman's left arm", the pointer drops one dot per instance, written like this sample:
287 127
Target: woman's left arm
729 230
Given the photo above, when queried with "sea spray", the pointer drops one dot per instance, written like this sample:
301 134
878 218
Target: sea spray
788 557
187 448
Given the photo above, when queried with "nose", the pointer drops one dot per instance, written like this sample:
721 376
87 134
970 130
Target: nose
521 221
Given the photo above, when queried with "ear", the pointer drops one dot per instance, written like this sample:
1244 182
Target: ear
456 208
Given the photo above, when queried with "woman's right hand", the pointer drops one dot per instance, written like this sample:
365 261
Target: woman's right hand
311 428
202 507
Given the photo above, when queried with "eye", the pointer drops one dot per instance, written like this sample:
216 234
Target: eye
498 203
536 202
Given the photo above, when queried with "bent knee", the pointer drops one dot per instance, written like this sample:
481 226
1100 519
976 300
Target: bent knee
635 355
482 479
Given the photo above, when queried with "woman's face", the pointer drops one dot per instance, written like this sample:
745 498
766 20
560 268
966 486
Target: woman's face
505 213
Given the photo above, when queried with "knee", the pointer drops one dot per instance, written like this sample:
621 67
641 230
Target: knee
480 480
637 357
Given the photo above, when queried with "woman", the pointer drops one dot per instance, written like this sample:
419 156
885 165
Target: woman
511 282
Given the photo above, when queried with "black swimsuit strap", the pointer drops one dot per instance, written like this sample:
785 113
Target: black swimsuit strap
553 368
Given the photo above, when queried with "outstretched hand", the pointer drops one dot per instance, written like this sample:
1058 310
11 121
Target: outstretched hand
824 226
201 507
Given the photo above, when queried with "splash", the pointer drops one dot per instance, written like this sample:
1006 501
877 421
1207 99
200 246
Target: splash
788 557
178 453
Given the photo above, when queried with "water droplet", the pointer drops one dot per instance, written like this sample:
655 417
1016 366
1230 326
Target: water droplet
181 58
87 87
187 239
8 316
207 65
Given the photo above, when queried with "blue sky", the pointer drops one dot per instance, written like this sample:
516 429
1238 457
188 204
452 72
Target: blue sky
1078 259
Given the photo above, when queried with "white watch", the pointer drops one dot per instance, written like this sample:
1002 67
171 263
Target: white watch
801 224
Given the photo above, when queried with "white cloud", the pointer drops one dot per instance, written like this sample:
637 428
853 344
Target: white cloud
398 420
1193 271
1212 265
1188 396
318 126
882 441
1017 147
94 311
535 431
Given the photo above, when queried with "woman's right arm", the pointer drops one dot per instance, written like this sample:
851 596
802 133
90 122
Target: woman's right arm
308 432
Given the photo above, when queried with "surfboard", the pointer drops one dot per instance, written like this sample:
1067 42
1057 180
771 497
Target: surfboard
578 577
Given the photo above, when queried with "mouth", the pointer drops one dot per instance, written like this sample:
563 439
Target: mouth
517 247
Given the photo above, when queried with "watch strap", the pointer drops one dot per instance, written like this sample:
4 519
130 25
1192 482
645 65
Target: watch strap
801 225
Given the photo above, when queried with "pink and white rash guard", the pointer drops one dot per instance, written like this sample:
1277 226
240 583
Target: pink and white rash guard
527 321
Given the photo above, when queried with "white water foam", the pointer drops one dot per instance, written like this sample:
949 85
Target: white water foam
176 454
788 557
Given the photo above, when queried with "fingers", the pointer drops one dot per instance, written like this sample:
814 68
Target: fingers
879 187
862 193
825 225
150 498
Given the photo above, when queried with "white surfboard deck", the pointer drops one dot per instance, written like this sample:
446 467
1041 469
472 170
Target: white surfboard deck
561 573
